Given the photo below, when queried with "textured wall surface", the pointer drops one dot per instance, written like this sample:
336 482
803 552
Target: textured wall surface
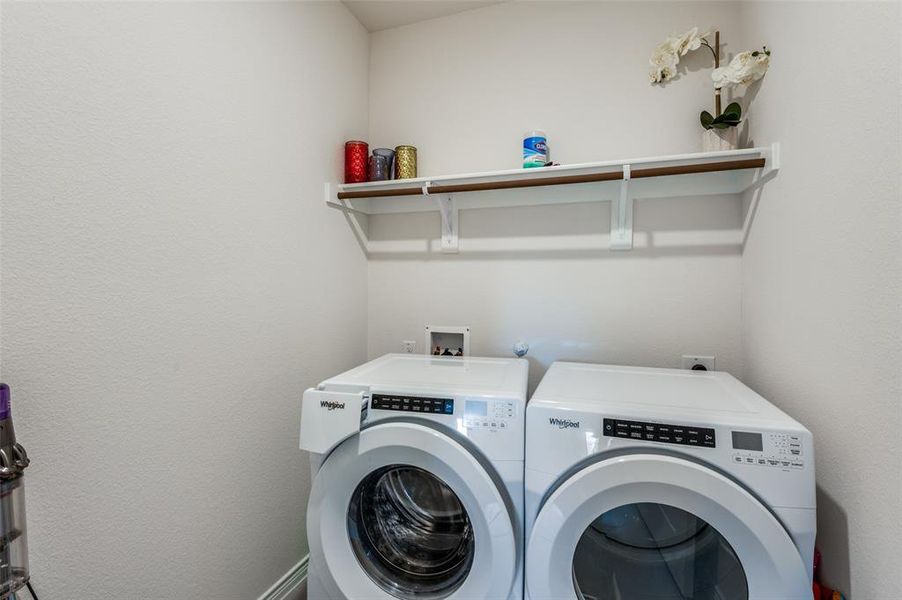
464 89
171 282
822 270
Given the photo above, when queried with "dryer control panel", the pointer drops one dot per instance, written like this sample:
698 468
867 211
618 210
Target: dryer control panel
686 435
773 449
417 404
494 415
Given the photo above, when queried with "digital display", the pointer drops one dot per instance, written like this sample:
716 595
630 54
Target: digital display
476 409
748 441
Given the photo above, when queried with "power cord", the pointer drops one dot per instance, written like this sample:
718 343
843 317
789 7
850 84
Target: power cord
31 590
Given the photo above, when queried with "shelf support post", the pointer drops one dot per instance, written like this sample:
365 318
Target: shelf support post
450 214
622 215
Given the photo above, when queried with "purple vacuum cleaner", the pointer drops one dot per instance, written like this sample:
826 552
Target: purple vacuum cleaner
13 544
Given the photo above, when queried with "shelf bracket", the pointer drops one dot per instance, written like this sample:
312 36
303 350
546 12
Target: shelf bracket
622 215
450 214
355 218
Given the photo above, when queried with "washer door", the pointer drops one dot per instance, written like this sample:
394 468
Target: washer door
404 511
658 527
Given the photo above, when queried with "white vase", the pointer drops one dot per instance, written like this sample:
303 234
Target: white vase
717 140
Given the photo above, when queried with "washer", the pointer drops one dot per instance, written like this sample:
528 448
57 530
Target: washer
665 484
417 479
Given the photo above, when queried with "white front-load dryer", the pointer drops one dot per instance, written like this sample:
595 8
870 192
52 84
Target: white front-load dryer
664 484
417 479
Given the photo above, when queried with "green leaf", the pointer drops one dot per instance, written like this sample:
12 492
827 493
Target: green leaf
706 119
727 119
733 108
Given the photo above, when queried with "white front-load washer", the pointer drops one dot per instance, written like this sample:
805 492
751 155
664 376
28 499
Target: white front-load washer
664 484
417 479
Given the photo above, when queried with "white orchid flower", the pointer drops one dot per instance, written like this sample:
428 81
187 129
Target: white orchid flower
663 62
691 40
745 68
667 55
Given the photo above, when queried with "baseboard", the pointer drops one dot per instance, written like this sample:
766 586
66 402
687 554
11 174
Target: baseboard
289 585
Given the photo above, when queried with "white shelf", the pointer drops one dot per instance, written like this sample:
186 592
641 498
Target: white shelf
619 182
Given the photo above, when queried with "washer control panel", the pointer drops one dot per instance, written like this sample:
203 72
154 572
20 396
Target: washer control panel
686 435
419 404
773 450
494 415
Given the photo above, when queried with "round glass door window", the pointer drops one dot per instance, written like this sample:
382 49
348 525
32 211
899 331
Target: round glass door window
653 551
410 532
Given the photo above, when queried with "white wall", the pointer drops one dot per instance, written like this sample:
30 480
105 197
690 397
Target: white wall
171 282
822 325
463 89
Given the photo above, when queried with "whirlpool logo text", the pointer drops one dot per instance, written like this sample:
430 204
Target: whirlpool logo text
330 405
564 423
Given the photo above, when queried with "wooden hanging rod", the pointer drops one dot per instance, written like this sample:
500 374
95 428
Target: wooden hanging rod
712 167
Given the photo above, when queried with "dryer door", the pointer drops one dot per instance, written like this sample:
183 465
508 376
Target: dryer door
648 526
404 511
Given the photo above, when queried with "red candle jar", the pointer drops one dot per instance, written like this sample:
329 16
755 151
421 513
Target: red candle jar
356 154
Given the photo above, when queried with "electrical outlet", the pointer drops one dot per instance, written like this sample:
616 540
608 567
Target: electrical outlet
694 362
409 347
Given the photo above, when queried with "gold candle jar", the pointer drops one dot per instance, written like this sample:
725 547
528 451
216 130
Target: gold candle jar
405 162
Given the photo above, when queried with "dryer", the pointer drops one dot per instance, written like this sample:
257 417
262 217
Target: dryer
666 484
417 479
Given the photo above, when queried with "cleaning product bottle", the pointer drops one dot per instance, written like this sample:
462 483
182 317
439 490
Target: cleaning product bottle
535 149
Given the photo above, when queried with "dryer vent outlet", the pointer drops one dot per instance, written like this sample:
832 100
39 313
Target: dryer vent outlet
694 362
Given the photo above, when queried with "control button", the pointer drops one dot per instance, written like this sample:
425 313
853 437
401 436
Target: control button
762 461
656 432
737 459
797 465
796 452
773 463
503 425
785 463
749 460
